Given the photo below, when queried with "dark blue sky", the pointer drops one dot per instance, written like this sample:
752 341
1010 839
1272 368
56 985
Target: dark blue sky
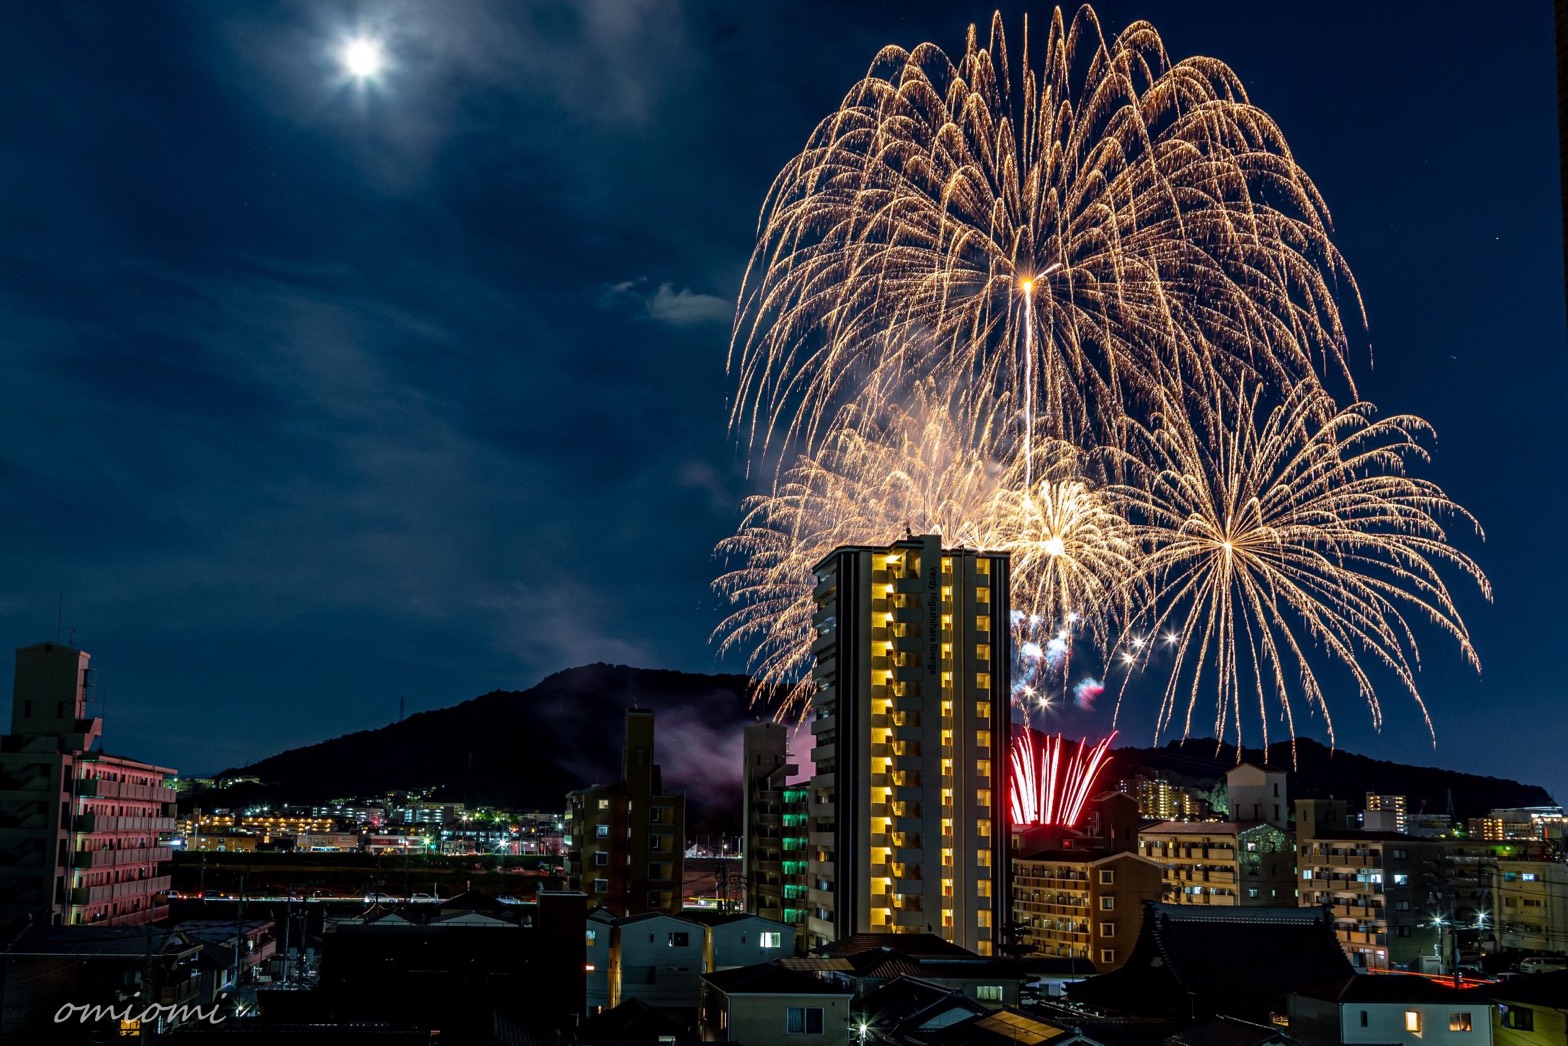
316 395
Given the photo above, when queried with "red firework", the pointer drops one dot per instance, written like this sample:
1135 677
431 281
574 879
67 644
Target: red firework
1050 787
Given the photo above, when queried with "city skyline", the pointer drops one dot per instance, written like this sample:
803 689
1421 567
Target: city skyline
413 386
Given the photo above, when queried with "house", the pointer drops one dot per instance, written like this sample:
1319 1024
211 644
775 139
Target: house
768 1005
865 961
908 1011
732 939
658 959
1393 1008
1530 1010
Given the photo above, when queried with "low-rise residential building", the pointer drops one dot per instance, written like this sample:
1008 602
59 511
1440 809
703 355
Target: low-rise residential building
1408 1010
733 939
864 962
1083 904
1530 897
766 1005
1530 1010
653 957
1222 863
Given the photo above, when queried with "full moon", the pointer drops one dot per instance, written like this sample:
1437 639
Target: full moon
362 58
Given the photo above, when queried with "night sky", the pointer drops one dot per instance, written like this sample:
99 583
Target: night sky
320 393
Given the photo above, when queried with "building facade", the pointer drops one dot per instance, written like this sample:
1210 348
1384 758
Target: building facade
774 816
1377 885
626 841
909 819
1083 905
1531 897
1222 863
82 833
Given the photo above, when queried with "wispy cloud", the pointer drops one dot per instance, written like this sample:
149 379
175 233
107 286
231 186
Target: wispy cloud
665 304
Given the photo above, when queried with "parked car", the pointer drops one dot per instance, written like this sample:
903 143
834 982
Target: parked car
1543 964
380 898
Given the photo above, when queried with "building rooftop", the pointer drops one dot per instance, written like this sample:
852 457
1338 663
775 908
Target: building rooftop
768 978
1200 827
1183 963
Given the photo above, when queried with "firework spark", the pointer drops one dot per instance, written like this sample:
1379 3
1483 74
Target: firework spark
927 467
1270 537
1063 240
1049 785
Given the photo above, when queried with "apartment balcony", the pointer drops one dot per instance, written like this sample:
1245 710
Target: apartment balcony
111 858
1364 937
1354 860
91 824
1358 911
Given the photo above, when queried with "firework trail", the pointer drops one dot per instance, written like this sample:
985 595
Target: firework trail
1049 785
1269 535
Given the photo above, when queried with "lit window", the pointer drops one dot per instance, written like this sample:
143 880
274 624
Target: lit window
1459 1021
601 831
988 992
1413 1022
604 804
771 939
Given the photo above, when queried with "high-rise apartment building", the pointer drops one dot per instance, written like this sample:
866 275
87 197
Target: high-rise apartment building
909 820
626 841
1384 813
774 814
81 831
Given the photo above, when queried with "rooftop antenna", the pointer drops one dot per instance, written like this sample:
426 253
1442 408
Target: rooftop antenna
59 616
400 700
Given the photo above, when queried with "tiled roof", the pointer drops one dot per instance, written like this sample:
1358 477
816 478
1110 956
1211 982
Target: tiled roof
766 978
1198 827
908 1008
1240 962
1228 1031
107 941
1001 1026
632 1019
904 943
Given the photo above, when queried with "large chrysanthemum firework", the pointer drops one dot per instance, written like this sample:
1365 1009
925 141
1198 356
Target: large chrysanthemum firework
1272 540
1060 238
